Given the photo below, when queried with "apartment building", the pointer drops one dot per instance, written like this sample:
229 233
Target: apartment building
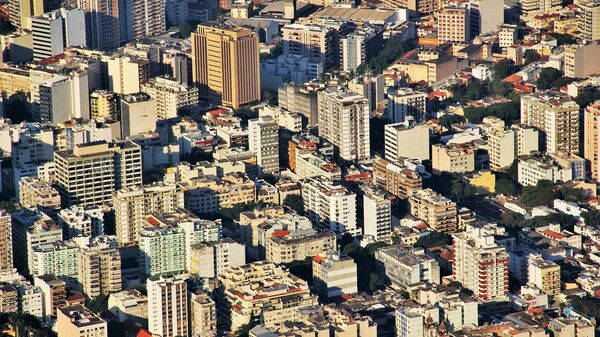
250 221
77 320
54 295
209 194
129 304
162 251
99 264
170 96
334 275
407 103
261 289
372 87
533 168
437 211
58 259
377 214
79 221
404 266
21 12
147 18
102 23
396 177
286 246
301 99
37 194
104 104
209 259
504 145
529 8
507 35
485 16
90 173
263 140
578 59
360 46
332 206
54 31
203 311
454 25
168 308
589 21
481 264
311 164
454 158
406 140
14 80
312 41
126 74
30 228
6 241
591 138
344 122
234 79
557 116
414 6
544 275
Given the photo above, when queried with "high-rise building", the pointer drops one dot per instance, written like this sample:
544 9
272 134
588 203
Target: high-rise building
557 116
372 87
6 243
162 251
334 275
404 140
591 138
104 104
480 264
126 74
589 20
331 206
396 178
102 23
456 158
301 99
437 211
404 266
168 312
138 114
148 18
579 59
99 265
263 139
54 31
37 194
406 102
507 35
532 7
54 295
209 259
485 16
233 77
30 228
204 315
344 121
57 259
544 275
88 174
414 6
170 96
21 12
63 97
77 320
286 246
454 25
377 214
360 47
132 205
79 221
505 145
312 41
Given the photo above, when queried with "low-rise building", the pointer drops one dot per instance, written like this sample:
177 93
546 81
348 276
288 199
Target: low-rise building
403 140
79 321
404 266
454 158
285 246
334 275
437 211
396 177
209 259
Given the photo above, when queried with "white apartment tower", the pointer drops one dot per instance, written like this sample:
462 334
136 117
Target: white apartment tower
263 141
54 31
377 214
168 310
344 121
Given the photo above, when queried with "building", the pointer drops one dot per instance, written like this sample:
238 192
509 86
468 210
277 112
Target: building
578 58
203 313
405 103
14 80
507 35
334 275
63 97
533 168
372 87
505 145
234 80
54 31
132 205
126 74
344 122
21 12
485 16
454 25
437 211
102 23
8 298
263 139
147 18
301 99
360 47
104 104
77 320
162 251
414 6
168 311
88 174
129 304
480 264
312 41
99 263
138 114
209 259
529 8
170 96
377 214
544 275
405 140
286 246
54 295
455 158
251 220
77 221
332 206
396 178
589 21
591 138
311 164
404 266
6 241
261 289
563 327
288 68
557 116
209 194
58 259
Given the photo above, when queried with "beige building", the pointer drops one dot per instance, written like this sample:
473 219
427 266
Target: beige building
249 222
209 259
21 12
132 205
35 193
564 327
203 311
6 243
129 304
233 77
170 96
14 80
285 246
415 6
263 140
396 178
405 266
103 103
544 275
168 311
579 60
453 25
589 20
406 103
437 211
334 275
209 194
403 140
311 41
127 73
557 116
261 289
77 320
99 264
591 138
8 298
455 158
301 99
505 145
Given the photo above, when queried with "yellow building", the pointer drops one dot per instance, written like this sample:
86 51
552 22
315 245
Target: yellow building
452 158
21 12
485 180
225 64
14 80
103 103
545 275
77 320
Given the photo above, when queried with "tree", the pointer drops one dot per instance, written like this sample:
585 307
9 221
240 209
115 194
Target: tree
547 77
504 68
99 304
540 195
500 88
508 112
531 56
506 187
562 81
433 239
294 202
587 97
448 119
302 269
392 50
476 91
375 282
591 218
562 39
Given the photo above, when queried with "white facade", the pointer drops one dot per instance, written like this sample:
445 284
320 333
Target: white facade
54 31
407 102
405 141
263 139
168 311
162 251
377 212
170 96
56 258
288 68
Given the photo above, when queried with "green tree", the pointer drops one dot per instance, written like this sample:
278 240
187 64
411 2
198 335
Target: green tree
294 202
99 304
433 239
587 97
375 282
500 88
540 195
448 119
562 39
591 218
547 77
392 50
504 68
531 56
506 187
